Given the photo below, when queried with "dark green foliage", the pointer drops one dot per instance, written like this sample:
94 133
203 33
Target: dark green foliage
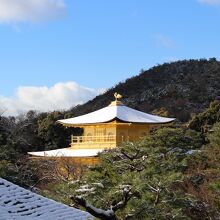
214 136
204 121
17 137
53 134
150 171
212 151
202 177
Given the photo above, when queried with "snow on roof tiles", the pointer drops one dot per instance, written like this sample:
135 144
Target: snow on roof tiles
112 112
67 152
17 203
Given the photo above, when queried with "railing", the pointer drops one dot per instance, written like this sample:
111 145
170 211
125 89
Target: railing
94 139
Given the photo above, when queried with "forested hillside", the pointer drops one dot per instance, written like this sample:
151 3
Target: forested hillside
178 89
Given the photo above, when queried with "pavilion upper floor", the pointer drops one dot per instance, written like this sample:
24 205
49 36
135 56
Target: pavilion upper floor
108 135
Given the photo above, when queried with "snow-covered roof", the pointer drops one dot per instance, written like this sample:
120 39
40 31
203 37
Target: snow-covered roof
67 152
17 203
116 111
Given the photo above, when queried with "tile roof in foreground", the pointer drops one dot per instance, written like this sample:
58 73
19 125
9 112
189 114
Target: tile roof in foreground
17 203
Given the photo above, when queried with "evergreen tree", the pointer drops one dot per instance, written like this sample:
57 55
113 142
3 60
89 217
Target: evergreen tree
141 180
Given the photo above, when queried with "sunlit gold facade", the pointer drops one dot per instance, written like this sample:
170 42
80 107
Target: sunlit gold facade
108 135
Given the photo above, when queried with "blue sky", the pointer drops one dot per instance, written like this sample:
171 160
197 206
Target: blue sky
46 44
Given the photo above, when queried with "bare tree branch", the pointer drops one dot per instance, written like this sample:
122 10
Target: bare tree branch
99 213
131 157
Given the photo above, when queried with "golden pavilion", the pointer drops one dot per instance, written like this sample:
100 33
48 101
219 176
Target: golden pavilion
105 129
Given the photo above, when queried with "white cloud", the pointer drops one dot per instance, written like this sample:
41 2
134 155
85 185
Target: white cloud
164 40
209 2
58 97
15 11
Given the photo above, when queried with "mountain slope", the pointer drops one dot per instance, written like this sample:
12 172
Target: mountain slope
177 89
